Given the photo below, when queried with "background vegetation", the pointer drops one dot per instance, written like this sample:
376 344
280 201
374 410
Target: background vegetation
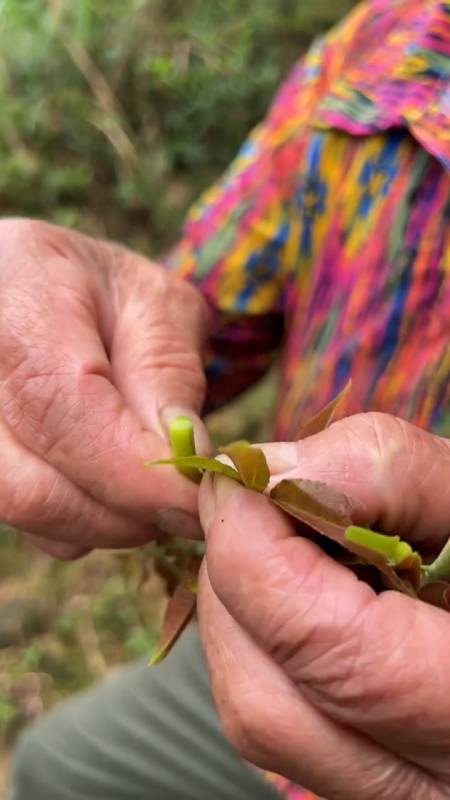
114 115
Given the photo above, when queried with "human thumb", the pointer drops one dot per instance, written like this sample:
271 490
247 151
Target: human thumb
399 472
156 351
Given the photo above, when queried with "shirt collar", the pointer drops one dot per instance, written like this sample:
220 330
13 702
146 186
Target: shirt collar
394 72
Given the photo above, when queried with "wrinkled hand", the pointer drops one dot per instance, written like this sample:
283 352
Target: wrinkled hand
315 676
100 348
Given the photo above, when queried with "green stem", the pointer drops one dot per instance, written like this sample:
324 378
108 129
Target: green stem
181 432
439 570
391 547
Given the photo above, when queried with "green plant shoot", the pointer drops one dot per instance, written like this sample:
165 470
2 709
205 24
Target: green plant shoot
181 432
320 507
192 466
395 550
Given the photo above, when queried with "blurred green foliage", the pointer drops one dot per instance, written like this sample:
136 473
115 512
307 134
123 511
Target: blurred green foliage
115 113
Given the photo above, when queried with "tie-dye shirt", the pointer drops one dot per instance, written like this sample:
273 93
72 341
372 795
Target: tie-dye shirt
328 237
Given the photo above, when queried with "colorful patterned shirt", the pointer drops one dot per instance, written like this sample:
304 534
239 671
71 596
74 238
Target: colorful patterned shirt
328 237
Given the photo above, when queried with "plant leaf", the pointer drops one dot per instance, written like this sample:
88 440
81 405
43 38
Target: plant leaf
325 417
178 562
199 463
436 594
179 612
329 512
251 464
315 499
397 553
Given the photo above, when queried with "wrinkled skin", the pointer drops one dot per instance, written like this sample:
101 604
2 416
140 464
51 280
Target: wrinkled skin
315 676
100 349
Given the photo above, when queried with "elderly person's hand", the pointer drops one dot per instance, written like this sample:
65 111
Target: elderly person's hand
315 676
100 348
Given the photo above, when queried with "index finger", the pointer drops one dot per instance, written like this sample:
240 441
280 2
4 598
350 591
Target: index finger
377 663
57 395
273 724
400 472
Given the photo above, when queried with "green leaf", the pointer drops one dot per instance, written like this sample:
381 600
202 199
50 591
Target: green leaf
325 417
179 612
199 463
251 464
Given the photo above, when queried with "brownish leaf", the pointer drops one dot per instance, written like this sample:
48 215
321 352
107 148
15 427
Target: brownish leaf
179 612
325 417
315 498
412 567
251 464
177 562
437 594
329 512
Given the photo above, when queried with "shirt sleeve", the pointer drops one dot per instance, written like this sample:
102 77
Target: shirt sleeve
240 239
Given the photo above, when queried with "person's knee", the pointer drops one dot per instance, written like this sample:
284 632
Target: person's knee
44 762
24 774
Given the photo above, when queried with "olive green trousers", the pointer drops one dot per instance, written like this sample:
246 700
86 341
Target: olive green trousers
145 734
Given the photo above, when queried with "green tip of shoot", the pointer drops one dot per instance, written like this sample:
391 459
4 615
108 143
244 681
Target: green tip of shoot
395 551
181 433
157 658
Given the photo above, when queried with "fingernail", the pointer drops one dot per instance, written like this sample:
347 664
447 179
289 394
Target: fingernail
178 523
215 495
281 456
169 413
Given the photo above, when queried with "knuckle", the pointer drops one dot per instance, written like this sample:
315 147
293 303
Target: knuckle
367 447
383 433
387 430
136 277
27 246
181 373
166 350
188 292
22 241
26 230
391 444
178 294
190 297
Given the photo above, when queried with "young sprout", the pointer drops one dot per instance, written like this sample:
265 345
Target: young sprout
184 458
392 547
181 432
